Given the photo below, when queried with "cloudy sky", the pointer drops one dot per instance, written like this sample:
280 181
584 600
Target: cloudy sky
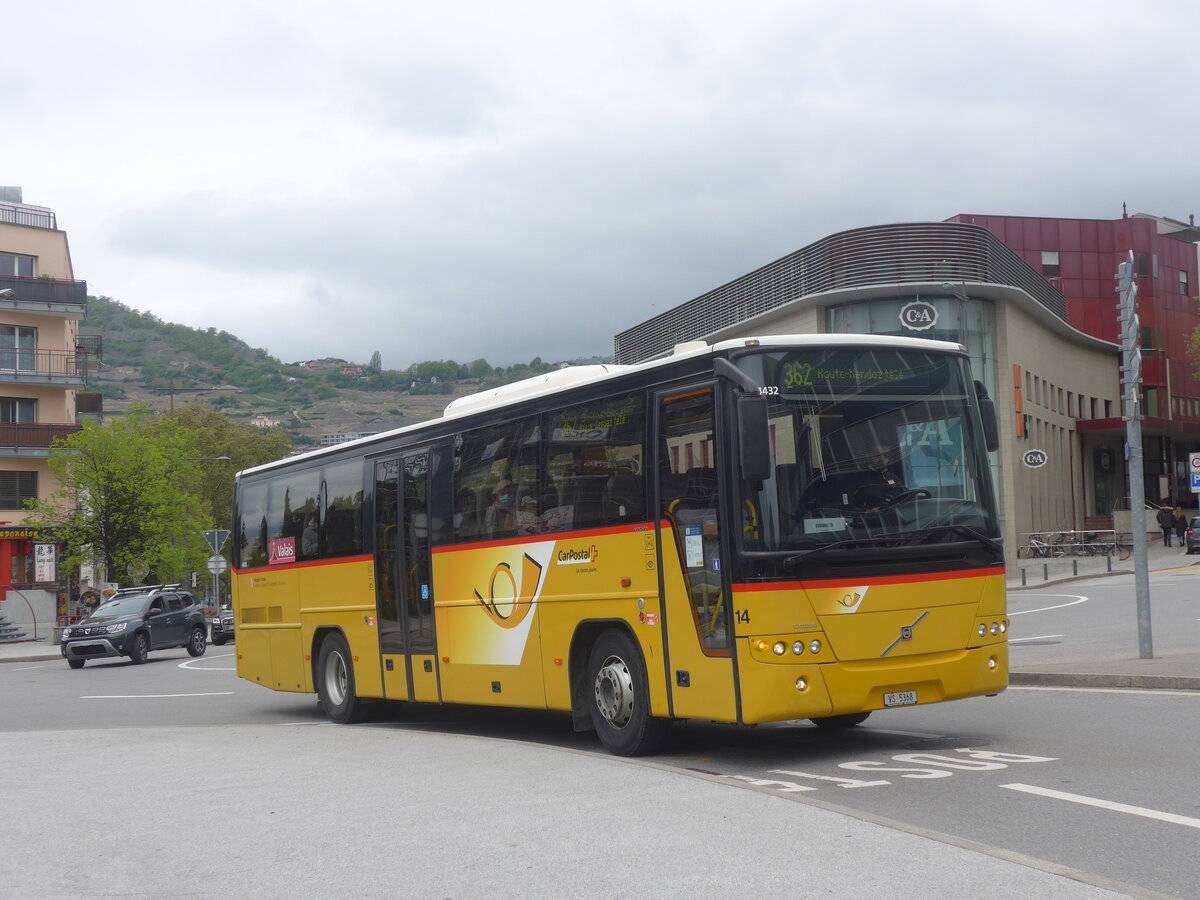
470 178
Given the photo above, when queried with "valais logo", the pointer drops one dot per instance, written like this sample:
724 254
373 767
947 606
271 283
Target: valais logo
281 550
918 315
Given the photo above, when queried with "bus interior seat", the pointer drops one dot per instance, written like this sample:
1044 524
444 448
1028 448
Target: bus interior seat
623 496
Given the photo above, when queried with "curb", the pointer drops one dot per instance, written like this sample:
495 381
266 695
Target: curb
1149 682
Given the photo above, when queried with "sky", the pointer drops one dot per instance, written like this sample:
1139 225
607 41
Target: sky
470 179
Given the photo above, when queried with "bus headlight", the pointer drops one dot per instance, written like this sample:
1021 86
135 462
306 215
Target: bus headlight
798 647
995 629
779 649
982 630
802 683
814 647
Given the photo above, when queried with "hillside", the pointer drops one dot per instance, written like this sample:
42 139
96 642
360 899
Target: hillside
167 365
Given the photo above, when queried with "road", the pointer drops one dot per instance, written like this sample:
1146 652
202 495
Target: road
1100 783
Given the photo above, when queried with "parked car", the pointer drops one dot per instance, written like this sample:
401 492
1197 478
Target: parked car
222 626
136 621
1193 536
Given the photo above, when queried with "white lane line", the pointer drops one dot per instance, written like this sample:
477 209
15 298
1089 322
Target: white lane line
1162 692
189 663
1106 804
152 696
1078 598
916 734
1041 637
306 723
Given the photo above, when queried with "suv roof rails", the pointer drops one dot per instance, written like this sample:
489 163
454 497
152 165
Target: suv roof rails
148 589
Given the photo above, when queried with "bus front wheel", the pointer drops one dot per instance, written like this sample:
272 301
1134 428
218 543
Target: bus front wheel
335 683
619 699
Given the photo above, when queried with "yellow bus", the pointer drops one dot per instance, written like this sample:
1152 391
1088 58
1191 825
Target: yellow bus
770 529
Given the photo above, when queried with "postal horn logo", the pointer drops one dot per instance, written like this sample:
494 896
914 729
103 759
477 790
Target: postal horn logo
509 602
918 315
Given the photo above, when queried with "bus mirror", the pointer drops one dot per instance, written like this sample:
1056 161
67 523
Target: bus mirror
754 438
987 411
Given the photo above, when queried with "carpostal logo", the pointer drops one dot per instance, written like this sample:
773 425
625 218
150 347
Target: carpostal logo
574 557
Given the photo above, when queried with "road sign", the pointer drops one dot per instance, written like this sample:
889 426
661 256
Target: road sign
1194 462
216 539
217 564
1196 482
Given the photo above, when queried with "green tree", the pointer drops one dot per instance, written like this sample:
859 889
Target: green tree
376 363
215 435
128 498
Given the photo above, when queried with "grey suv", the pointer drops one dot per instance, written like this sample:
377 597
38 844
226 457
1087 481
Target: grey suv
136 621
222 626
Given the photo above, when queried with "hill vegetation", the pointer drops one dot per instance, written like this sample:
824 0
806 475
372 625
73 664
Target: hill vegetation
166 365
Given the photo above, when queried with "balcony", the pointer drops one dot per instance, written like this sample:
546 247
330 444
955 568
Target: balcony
48 295
30 439
27 214
62 367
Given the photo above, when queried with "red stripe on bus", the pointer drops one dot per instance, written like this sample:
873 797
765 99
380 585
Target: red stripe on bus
914 578
305 565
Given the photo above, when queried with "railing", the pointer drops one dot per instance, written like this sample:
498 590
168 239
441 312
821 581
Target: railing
22 214
35 436
44 290
1058 544
31 365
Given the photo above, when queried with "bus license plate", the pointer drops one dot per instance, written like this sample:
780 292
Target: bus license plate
900 698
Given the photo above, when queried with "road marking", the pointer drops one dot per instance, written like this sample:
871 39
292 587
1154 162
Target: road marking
1166 692
1040 637
916 734
1106 804
187 664
1079 598
151 696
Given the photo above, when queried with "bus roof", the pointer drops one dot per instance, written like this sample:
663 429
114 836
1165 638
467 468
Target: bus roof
578 376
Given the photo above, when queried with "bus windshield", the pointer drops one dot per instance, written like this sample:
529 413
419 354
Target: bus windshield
870 447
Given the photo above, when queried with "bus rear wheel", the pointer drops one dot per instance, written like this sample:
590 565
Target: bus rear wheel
335 683
847 721
619 699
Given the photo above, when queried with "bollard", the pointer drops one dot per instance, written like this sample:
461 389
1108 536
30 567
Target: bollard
1108 562
1045 571
1022 576
1074 566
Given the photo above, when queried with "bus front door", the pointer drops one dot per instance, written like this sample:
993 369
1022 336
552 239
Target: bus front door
695 583
403 577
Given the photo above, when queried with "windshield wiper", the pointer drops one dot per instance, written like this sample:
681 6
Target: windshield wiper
795 559
964 530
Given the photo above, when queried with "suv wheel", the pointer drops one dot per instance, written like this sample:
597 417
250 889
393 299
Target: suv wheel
140 649
75 663
198 642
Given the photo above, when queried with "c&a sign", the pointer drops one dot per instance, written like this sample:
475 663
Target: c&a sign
918 316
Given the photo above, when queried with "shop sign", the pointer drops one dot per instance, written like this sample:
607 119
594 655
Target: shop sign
918 315
45 562
1035 459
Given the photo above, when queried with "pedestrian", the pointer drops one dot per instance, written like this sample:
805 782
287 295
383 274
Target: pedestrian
1180 523
1166 521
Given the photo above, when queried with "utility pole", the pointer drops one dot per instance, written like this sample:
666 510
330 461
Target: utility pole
1131 378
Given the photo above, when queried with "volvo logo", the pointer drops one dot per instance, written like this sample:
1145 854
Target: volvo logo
906 633
918 315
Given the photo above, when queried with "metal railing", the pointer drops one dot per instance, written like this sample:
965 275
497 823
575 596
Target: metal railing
38 436
32 365
24 214
44 290
1059 544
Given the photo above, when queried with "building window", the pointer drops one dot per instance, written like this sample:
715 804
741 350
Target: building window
1050 263
1142 262
17 409
1183 286
16 488
17 264
18 346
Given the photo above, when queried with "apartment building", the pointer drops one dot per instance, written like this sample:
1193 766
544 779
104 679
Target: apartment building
43 370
